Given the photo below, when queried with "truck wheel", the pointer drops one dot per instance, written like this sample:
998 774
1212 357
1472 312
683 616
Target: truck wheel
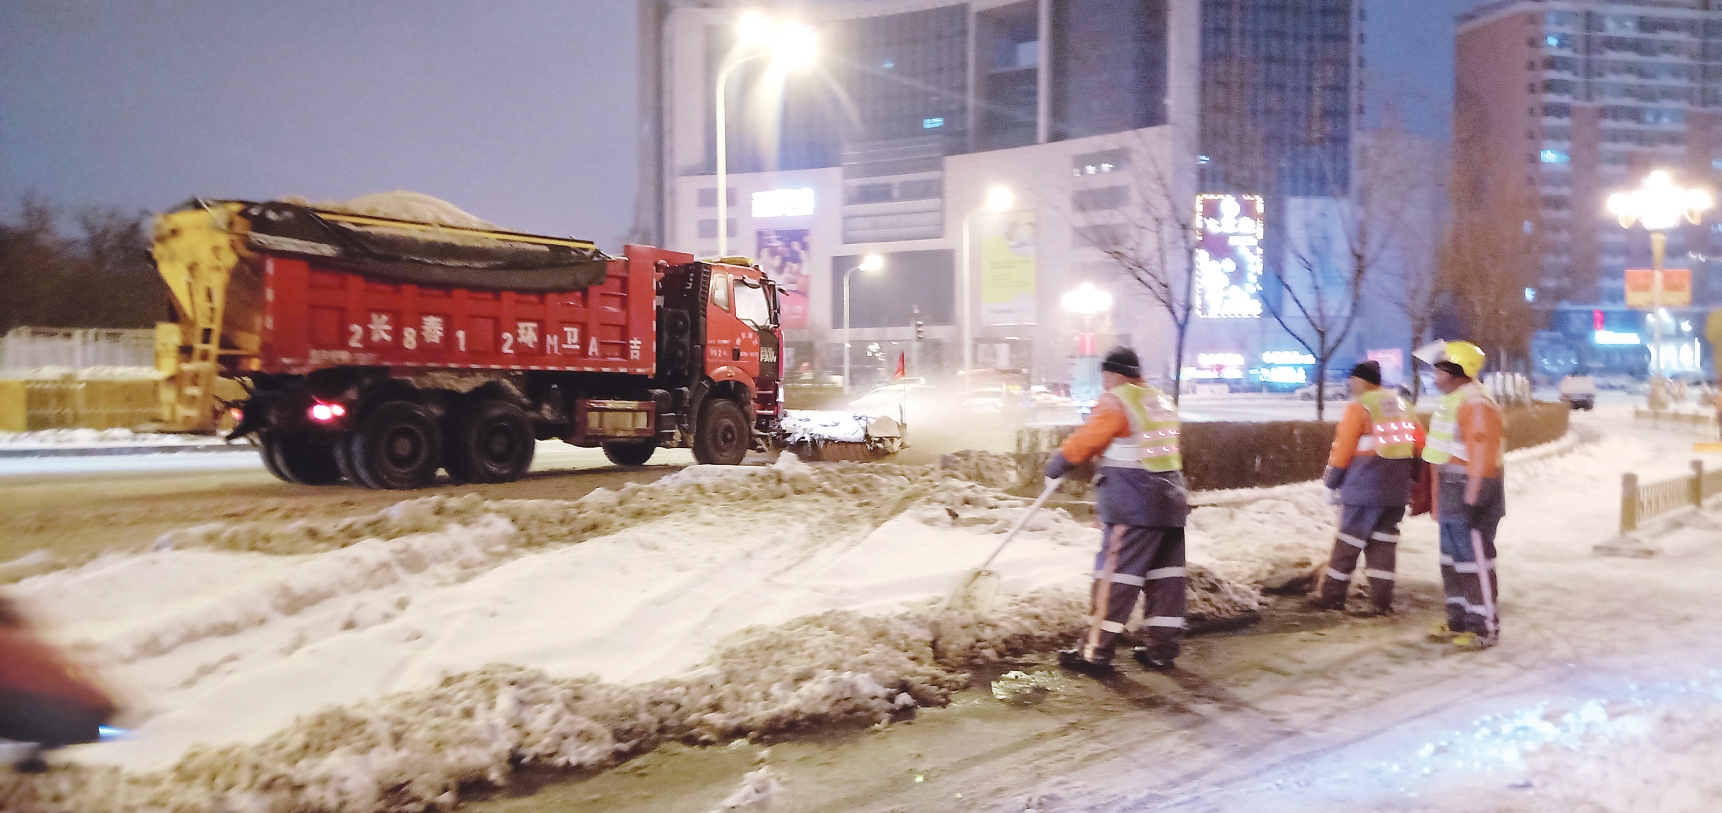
266 444
398 446
723 437
492 442
299 459
630 452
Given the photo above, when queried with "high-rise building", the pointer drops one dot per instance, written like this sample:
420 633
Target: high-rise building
1560 102
918 107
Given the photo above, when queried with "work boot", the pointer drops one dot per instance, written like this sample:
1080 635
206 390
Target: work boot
1372 611
1322 604
1150 659
1472 641
1440 633
1072 659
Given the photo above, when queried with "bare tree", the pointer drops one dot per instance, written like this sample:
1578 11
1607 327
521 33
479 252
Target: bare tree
1333 244
1486 263
1150 236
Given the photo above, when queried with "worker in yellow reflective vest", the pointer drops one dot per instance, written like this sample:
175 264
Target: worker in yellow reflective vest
1142 503
1465 446
1372 465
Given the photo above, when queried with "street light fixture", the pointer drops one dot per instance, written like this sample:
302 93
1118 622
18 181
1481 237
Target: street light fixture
1658 205
871 264
791 46
999 199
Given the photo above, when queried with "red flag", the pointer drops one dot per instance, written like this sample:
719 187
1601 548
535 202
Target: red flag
902 372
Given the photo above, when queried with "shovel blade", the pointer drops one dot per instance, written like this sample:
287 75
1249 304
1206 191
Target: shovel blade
976 592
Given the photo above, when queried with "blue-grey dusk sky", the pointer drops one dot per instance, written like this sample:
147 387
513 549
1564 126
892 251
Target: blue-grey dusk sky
523 112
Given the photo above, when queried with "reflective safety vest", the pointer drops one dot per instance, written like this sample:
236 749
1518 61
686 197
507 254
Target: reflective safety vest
1392 432
1153 440
1443 444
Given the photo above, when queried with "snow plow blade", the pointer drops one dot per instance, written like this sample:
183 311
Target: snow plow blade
840 436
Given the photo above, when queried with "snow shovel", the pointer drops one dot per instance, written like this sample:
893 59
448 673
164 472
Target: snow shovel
977 588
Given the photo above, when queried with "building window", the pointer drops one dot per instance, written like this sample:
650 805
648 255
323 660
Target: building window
1100 163
1104 198
708 199
708 227
1555 156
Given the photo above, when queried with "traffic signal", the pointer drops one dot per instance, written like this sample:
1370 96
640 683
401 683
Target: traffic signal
920 330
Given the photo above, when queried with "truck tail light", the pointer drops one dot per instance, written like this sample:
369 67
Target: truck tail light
326 412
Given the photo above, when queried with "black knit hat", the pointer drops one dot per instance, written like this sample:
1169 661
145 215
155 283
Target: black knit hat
1123 361
1368 371
1451 368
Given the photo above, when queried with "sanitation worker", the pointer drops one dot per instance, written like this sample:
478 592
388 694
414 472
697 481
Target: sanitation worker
1142 503
1465 446
1372 465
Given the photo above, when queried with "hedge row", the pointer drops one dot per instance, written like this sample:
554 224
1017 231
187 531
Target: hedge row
1250 454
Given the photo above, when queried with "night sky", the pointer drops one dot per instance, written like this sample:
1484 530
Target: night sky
522 112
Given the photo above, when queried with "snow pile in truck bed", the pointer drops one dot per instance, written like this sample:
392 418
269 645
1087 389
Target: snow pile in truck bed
381 661
402 205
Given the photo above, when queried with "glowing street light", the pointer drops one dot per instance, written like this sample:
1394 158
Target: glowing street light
791 46
871 264
1658 205
999 199
1087 300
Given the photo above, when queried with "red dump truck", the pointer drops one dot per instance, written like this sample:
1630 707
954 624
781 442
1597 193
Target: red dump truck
378 350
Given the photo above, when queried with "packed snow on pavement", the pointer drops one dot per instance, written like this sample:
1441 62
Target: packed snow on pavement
383 661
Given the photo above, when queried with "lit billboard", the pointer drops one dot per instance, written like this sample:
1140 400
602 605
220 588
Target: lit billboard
1228 256
1641 288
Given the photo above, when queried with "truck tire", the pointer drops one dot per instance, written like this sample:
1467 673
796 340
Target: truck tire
300 459
266 451
630 453
723 437
492 442
397 447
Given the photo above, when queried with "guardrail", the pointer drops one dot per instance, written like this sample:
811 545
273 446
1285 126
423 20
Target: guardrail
1640 502
1703 423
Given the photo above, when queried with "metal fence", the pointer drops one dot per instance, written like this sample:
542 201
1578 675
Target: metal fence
1650 500
1701 423
29 348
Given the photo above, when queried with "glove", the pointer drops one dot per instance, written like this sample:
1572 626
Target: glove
1334 477
1057 466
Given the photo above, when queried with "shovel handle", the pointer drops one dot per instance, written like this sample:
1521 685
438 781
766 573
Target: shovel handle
1021 521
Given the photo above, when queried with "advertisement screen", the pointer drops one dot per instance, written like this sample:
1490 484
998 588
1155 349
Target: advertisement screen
782 255
1007 269
1641 287
1228 256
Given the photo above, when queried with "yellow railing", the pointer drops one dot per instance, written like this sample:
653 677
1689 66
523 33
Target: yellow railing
1640 502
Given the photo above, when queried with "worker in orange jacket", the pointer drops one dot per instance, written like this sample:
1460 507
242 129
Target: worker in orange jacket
1466 447
1372 465
1142 503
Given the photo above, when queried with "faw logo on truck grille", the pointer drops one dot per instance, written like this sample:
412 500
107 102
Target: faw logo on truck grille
768 355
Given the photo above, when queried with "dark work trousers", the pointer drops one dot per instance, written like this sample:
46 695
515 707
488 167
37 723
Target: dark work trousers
1136 559
1470 606
1372 531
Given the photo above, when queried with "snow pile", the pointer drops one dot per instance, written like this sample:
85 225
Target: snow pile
987 468
758 789
803 425
401 205
440 642
99 373
98 437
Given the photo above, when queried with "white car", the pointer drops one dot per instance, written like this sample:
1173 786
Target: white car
1336 391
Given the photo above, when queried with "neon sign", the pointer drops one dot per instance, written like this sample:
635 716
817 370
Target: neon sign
1228 256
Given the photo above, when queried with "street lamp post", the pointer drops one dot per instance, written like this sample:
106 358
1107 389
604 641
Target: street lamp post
999 199
869 264
1659 205
789 44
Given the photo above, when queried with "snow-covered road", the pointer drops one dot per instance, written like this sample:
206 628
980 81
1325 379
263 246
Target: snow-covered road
383 660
